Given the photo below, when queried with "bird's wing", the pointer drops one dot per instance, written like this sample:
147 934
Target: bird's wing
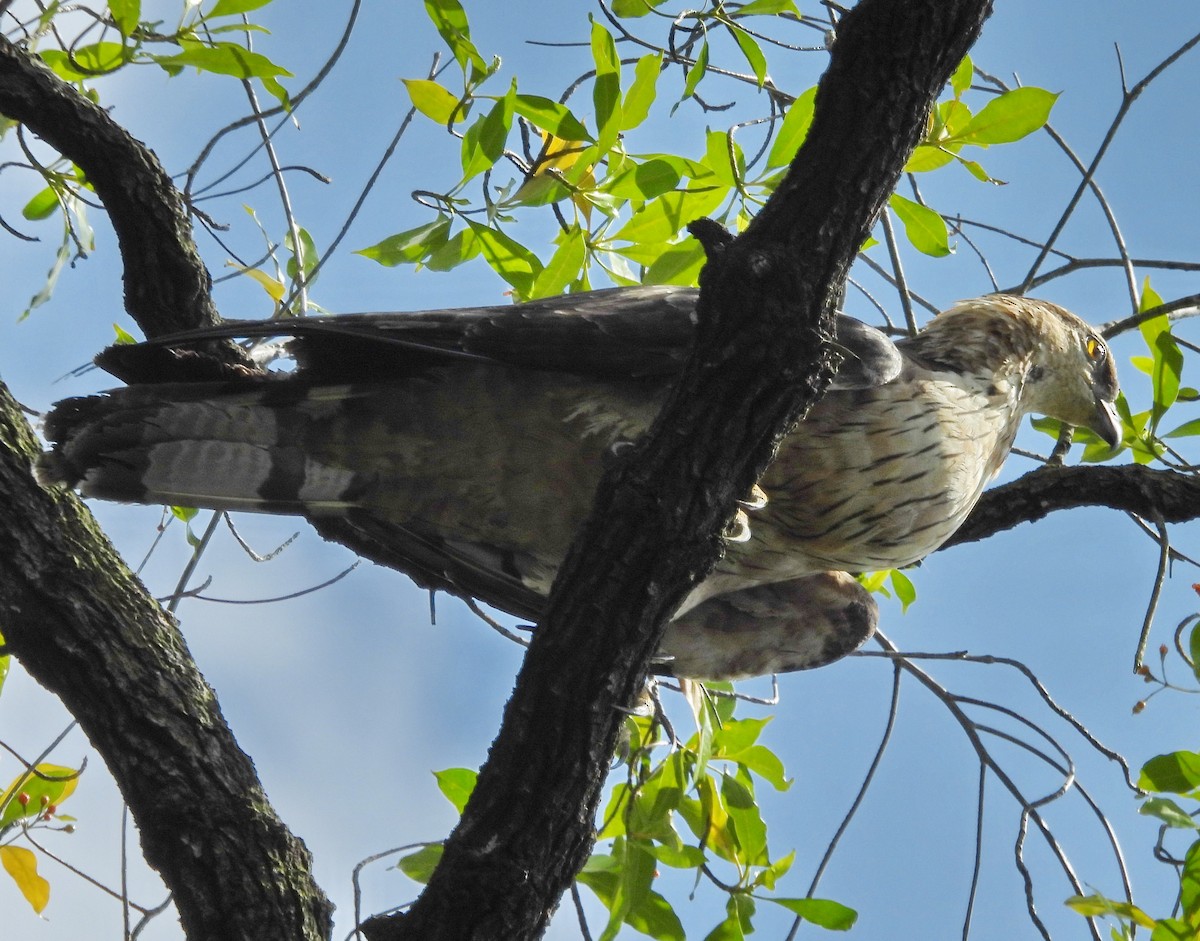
631 332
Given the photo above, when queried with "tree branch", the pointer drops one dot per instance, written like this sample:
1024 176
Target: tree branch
767 298
86 629
1149 493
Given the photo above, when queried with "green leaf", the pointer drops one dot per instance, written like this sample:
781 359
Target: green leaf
307 256
456 784
41 206
227 58
459 248
661 220
1169 813
234 7
631 9
642 92
923 227
564 265
1094 906
483 143
87 61
1167 362
1010 116
903 587
1187 429
748 826
419 866
767 8
1174 773
551 116
125 13
646 179
739 909
696 72
409 246
606 89
52 785
926 158
724 158
753 53
960 81
793 130
515 263
433 100
5 663
450 20
679 264
1194 647
824 912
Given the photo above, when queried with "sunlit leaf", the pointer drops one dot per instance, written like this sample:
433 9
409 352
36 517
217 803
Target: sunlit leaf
564 265
419 866
483 143
696 72
551 116
753 53
902 585
515 263
1173 773
923 227
1169 813
41 206
21 864
234 7
450 20
794 129
49 787
223 58
960 81
456 784
273 286
1094 906
631 9
1010 116
606 89
642 92
433 100
767 8
125 14
409 246
662 219
824 912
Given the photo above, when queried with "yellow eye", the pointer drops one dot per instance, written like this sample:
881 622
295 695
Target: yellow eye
1096 350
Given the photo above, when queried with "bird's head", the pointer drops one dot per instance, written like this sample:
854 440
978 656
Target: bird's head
1061 365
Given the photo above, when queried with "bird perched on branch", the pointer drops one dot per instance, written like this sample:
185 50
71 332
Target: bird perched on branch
464 447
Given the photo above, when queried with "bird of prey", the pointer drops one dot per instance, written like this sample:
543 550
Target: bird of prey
464 448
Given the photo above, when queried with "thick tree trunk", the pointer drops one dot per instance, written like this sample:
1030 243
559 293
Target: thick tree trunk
84 627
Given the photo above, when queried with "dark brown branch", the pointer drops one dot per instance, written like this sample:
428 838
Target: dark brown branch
653 532
85 628
166 284
1142 490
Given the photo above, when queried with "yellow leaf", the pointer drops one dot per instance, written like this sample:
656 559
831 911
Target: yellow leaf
21 864
272 286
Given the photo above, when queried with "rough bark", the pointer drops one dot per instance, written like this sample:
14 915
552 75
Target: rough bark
1150 493
84 626
655 527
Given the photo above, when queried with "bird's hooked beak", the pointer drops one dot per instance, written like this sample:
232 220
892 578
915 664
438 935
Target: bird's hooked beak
1107 423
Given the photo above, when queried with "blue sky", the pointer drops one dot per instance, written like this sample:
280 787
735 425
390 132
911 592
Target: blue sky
347 698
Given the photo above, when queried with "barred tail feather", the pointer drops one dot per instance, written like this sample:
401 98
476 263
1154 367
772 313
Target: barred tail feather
185 445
